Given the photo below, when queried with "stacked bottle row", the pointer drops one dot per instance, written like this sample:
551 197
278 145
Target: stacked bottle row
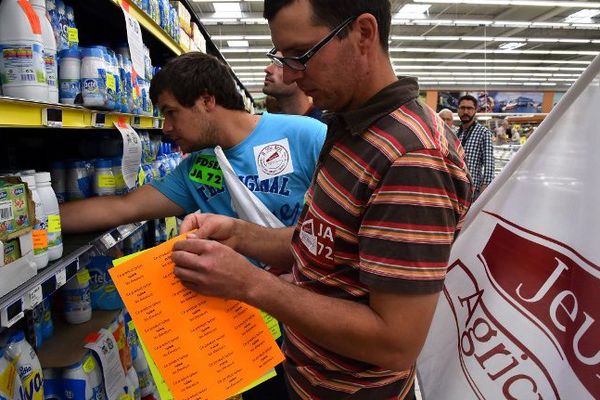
23 377
40 59
163 13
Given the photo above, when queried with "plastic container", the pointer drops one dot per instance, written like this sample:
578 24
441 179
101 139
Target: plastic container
22 70
78 185
72 38
28 366
77 300
8 379
49 42
140 364
69 75
104 180
48 197
53 388
58 177
83 380
133 384
47 324
38 317
120 186
63 25
93 75
40 229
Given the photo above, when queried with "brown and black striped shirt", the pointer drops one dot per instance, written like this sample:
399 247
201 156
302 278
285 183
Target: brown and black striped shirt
386 203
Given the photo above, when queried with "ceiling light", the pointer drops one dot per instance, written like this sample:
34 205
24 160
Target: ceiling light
227 7
543 40
583 16
511 45
416 11
238 43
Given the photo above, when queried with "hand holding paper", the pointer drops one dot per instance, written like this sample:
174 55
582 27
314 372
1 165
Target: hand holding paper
212 226
213 269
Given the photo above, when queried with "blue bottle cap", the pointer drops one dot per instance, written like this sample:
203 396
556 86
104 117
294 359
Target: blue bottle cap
103 163
117 161
72 52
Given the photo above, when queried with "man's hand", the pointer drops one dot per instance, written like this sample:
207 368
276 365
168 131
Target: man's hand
213 269
210 226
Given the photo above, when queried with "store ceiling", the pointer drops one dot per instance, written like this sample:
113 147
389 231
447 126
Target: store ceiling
460 44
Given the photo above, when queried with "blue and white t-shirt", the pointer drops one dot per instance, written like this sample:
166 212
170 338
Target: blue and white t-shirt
276 162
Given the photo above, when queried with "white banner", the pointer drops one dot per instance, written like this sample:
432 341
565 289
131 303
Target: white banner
518 317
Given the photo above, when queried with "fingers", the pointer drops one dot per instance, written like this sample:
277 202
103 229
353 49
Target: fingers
194 245
190 222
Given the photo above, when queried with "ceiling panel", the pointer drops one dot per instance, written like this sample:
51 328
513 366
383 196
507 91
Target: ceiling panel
492 44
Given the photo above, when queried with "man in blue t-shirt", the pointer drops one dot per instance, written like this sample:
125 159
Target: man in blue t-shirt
273 155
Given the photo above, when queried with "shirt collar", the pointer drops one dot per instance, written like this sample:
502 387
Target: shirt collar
384 102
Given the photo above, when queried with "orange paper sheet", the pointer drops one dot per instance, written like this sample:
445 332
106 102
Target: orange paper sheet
206 348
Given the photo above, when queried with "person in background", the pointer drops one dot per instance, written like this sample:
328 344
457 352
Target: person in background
476 139
290 98
370 251
448 117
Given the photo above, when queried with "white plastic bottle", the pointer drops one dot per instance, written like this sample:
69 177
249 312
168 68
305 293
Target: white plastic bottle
93 85
133 384
40 229
140 364
28 367
104 180
49 42
48 197
69 75
22 68
10 383
52 384
83 380
78 303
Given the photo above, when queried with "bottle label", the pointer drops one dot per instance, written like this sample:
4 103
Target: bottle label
7 381
32 383
89 365
77 299
51 71
111 83
93 87
54 231
40 241
69 88
106 181
22 64
72 36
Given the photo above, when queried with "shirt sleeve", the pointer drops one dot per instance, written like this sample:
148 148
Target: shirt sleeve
175 187
408 229
489 164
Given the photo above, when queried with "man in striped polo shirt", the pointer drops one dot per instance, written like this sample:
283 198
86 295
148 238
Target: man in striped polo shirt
370 250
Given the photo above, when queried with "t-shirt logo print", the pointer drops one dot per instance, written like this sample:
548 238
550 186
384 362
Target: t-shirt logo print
273 159
317 236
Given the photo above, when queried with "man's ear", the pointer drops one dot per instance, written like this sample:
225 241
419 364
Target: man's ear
206 102
368 29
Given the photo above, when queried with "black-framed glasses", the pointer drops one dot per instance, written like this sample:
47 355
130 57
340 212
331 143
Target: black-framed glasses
299 63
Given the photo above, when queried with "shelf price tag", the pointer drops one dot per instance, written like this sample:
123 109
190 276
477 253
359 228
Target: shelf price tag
108 240
61 278
98 120
157 123
52 117
36 296
137 121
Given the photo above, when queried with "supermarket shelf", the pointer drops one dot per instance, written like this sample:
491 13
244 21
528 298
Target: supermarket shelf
150 25
77 249
19 113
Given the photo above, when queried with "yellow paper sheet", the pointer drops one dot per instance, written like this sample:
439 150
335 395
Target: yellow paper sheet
205 348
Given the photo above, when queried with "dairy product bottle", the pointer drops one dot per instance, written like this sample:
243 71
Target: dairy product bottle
120 186
69 75
28 367
78 303
53 389
83 380
133 385
40 229
38 318
140 364
10 383
49 41
63 43
47 324
93 83
58 178
72 35
54 20
22 69
48 197
104 180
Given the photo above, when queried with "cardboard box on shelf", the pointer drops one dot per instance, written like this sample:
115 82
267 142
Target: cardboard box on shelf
17 271
198 38
185 18
17 211
184 40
